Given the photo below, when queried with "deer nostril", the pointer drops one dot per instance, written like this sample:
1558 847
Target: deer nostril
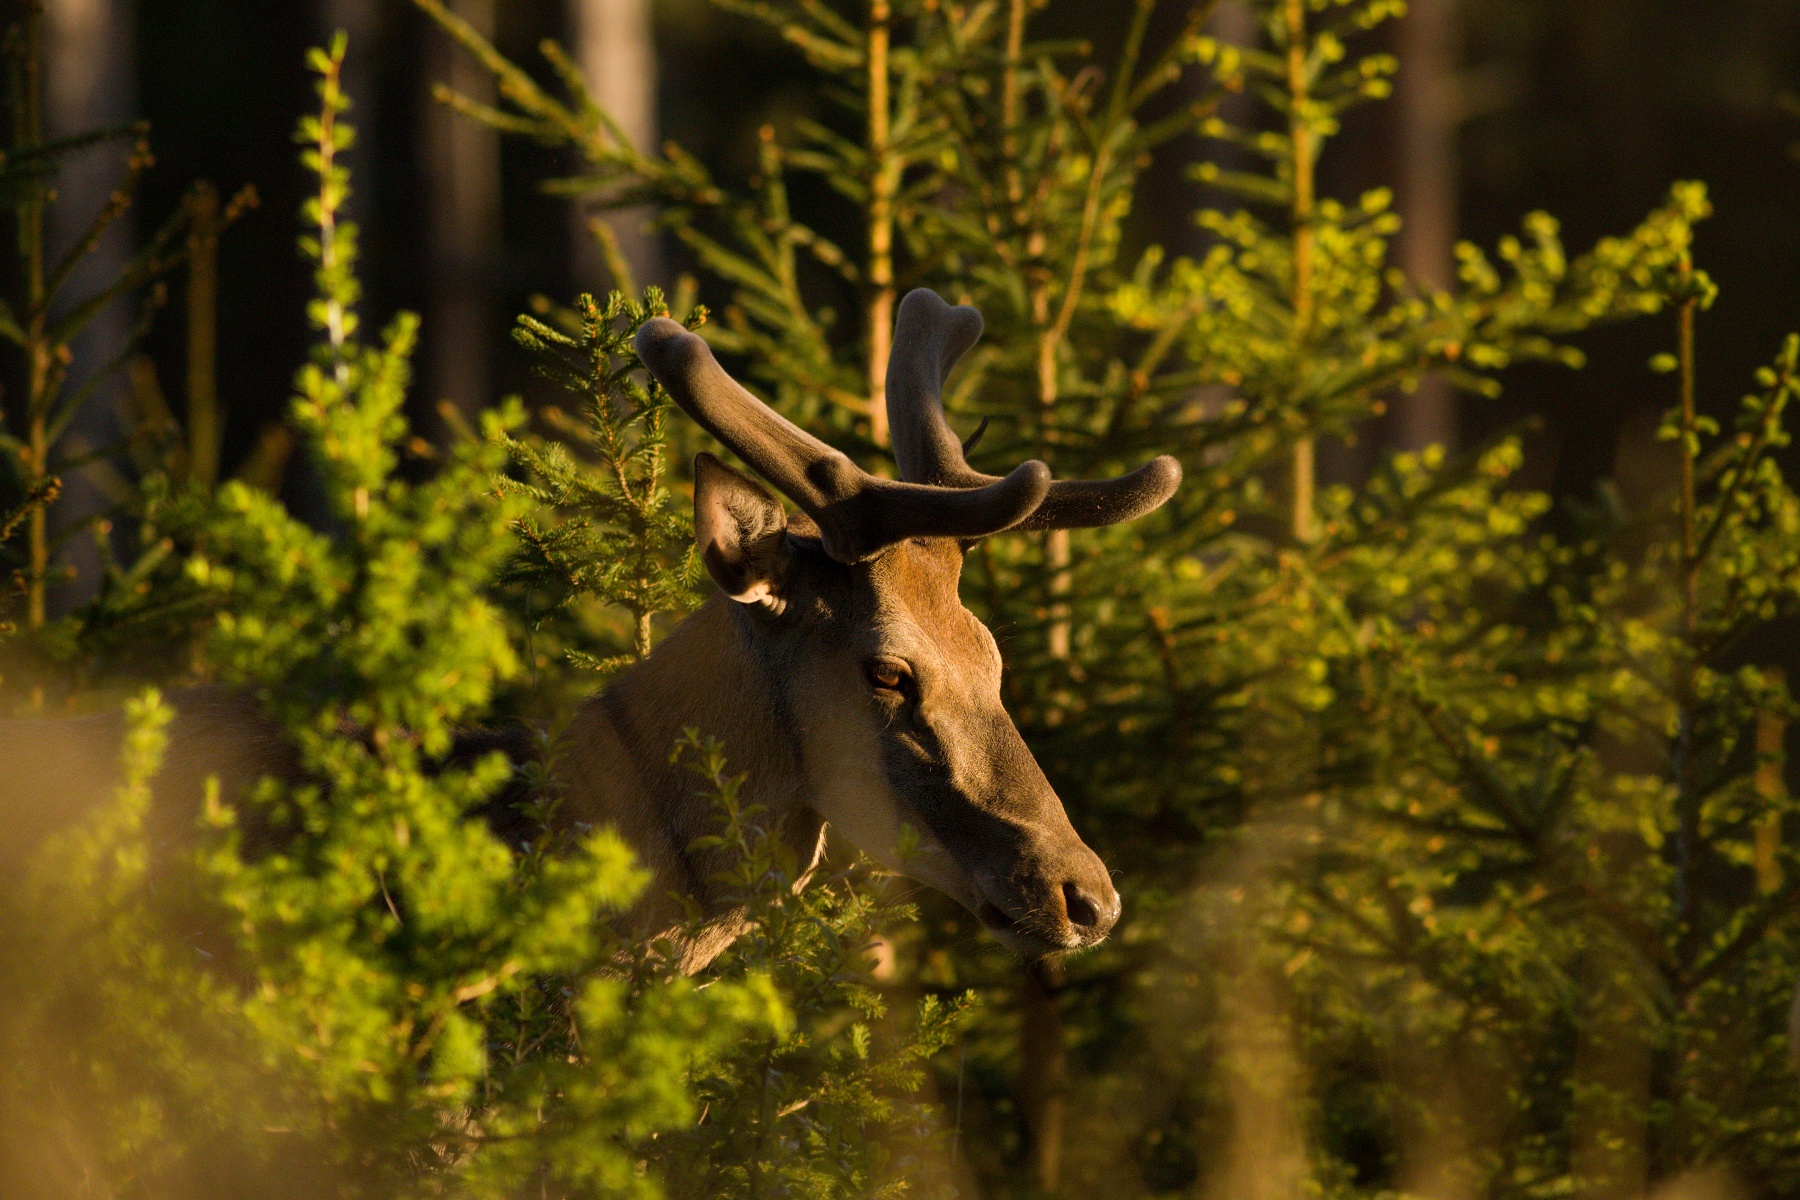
1081 907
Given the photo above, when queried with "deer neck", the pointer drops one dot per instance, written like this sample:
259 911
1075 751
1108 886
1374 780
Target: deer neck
612 766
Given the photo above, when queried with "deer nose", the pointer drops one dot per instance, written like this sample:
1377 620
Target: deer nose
1093 916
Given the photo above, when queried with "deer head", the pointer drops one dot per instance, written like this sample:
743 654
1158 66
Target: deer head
851 611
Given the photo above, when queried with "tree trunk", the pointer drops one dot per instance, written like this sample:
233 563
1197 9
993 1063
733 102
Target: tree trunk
461 169
616 46
90 81
1043 1076
1771 789
1429 49
1265 1154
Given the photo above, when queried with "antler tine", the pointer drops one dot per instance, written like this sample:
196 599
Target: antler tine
929 337
858 514
1093 503
806 470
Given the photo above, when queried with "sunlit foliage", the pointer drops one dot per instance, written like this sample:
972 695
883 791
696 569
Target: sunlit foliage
1450 816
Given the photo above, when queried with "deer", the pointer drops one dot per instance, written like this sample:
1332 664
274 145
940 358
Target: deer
836 663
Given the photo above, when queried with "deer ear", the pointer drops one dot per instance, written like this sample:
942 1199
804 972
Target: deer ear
742 533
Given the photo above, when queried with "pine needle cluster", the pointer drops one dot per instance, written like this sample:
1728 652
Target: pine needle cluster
826 1105
606 529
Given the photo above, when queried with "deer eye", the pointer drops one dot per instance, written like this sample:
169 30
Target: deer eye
888 675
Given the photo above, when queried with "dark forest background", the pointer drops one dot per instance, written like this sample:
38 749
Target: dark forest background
1582 109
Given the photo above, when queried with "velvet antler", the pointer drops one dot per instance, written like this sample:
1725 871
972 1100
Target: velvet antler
858 514
937 495
929 337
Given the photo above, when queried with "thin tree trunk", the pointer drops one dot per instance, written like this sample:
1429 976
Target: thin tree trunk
1771 789
1236 24
884 182
1429 50
1262 1079
27 134
615 45
1045 1072
204 421
90 81
462 175
1305 160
